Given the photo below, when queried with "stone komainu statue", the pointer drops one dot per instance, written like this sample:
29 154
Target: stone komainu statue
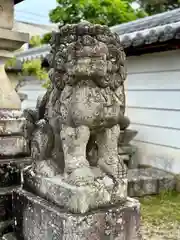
78 121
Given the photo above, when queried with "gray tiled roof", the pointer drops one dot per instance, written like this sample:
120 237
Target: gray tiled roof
158 28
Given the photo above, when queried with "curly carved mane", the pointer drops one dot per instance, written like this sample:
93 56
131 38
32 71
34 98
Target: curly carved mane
83 40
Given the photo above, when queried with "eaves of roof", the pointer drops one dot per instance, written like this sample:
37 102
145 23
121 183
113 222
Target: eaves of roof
151 36
150 30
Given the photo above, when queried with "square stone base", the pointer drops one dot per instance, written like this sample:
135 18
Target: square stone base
37 218
76 199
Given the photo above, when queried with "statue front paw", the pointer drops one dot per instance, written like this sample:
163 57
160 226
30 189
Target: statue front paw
81 177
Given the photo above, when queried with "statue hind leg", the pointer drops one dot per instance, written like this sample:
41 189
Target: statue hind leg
110 162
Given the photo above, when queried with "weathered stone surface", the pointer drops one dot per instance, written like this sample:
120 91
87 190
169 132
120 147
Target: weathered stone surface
11 40
11 178
77 198
128 153
5 206
6 216
9 236
10 114
80 120
5 226
39 219
148 181
9 175
9 98
18 162
7 14
6 221
13 146
11 126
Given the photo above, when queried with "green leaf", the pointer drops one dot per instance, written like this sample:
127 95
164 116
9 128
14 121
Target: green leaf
106 12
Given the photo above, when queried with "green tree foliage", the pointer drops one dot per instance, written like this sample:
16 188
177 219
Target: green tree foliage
158 6
106 12
10 63
35 41
46 38
34 68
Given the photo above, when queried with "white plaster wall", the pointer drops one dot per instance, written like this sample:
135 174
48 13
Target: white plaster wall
153 105
33 88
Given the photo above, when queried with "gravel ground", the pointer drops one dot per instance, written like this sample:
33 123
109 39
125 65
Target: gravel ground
168 231
161 216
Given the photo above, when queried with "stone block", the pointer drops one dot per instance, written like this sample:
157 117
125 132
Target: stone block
36 218
9 236
18 163
5 227
5 206
9 180
77 199
11 40
149 181
9 174
6 217
11 126
13 146
7 14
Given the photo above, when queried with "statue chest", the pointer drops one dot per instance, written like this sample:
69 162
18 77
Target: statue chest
92 106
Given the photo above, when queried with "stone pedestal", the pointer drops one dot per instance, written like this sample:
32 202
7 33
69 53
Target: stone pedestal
9 42
9 180
12 142
38 219
13 145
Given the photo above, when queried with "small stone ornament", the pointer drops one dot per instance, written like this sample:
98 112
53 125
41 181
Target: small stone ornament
75 130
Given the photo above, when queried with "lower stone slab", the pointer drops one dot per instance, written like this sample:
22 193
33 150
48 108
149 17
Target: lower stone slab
6 217
10 174
13 146
9 236
37 218
15 163
5 204
11 126
78 199
149 181
5 227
